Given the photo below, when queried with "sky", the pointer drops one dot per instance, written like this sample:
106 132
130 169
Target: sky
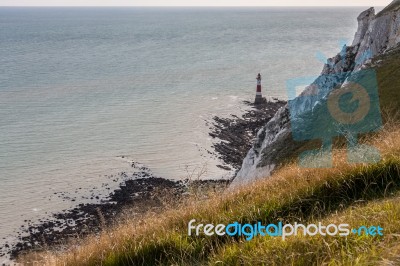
194 2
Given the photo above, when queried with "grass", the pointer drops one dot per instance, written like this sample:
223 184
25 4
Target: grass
388 74
318 250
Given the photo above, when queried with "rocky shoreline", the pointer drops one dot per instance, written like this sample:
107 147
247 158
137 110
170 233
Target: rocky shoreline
235 135
142 191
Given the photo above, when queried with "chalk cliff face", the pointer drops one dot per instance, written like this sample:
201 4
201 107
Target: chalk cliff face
375 35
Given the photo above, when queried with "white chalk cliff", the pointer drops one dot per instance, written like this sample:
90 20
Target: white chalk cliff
376 34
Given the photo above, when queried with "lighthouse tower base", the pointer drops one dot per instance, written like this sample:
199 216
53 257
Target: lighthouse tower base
259 99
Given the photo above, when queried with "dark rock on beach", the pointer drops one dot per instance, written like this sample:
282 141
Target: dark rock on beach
235 135
141 193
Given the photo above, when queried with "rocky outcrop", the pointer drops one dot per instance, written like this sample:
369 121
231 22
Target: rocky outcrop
364 20
375 35
383 32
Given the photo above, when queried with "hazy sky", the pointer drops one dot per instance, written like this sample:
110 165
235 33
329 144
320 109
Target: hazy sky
194 2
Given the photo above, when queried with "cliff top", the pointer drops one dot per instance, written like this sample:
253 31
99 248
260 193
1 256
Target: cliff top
391 7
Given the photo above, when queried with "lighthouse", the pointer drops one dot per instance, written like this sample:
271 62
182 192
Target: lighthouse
259 98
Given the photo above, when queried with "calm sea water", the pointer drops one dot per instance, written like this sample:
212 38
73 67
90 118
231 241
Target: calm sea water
80 87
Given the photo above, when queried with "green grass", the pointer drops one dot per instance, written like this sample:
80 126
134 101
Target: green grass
319 250
388 74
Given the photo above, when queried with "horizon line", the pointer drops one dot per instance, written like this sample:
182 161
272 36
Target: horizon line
180 6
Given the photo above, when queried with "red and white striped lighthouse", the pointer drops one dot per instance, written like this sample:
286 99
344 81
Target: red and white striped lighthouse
259 98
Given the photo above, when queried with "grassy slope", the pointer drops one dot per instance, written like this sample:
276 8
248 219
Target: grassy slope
388 74
352 250
356 194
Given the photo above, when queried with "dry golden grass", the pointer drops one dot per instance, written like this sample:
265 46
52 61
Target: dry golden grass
290 194
326 250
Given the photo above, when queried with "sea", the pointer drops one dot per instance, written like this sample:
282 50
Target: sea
84 92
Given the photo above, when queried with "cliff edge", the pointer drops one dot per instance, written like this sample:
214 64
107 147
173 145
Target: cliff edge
376 35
